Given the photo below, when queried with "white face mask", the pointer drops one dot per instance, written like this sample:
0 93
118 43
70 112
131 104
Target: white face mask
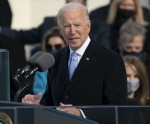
133 85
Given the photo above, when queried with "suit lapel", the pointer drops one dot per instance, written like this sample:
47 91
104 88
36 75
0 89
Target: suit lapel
64 66
85 62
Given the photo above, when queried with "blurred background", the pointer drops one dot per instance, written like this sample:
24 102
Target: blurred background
30 13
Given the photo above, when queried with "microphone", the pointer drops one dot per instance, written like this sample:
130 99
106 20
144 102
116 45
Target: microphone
44 62
39 62
30 64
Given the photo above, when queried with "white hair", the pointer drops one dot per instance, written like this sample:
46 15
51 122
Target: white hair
70 6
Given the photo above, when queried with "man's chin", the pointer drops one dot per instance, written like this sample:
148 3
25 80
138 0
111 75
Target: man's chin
73 47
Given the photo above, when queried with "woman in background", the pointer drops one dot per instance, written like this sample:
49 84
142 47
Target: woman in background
121 11
137 80
52 42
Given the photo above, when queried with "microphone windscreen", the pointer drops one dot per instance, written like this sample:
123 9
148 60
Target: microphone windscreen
45 61
34 57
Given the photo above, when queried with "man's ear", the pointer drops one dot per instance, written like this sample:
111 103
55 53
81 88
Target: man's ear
88 26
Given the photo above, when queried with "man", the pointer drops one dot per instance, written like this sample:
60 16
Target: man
131 40
14 41
99 78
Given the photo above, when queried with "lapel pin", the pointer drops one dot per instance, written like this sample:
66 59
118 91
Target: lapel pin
87 59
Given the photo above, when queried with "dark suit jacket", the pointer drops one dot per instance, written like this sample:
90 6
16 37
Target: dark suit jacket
99 79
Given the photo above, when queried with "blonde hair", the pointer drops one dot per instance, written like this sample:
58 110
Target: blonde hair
139 17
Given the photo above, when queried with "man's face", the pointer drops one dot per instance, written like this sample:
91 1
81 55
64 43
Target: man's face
74 27
134 46
127 5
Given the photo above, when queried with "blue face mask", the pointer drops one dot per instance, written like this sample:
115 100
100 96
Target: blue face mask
140 55
133 85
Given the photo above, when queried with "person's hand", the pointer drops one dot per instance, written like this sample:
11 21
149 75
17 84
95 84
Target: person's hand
71 110
32 99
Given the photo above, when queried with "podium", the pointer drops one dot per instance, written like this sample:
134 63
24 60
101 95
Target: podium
17 113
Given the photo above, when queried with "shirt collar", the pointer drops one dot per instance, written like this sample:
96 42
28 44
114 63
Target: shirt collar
82 49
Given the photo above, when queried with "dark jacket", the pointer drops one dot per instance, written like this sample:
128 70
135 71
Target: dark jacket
99 79
5 13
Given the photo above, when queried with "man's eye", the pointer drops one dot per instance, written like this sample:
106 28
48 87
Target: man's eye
66 26
128 47
137 48
78 25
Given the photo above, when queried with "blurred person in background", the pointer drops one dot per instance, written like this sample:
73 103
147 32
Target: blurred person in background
137 81
5 13
52 42
131 42
122 11
116 13
100 30
100 13
15 48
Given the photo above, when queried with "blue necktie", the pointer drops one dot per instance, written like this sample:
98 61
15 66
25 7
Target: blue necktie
73 64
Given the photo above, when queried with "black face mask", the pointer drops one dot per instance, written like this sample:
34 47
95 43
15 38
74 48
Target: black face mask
140 55
126 14
123 16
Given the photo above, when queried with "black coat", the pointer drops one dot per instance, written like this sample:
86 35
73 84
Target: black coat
99 79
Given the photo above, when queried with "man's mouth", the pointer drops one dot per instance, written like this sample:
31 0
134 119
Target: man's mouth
73 38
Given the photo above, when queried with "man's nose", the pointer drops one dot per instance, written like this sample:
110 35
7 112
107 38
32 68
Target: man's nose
72 30
133 50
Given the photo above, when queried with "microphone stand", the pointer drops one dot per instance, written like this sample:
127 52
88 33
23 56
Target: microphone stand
16 99
26 83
